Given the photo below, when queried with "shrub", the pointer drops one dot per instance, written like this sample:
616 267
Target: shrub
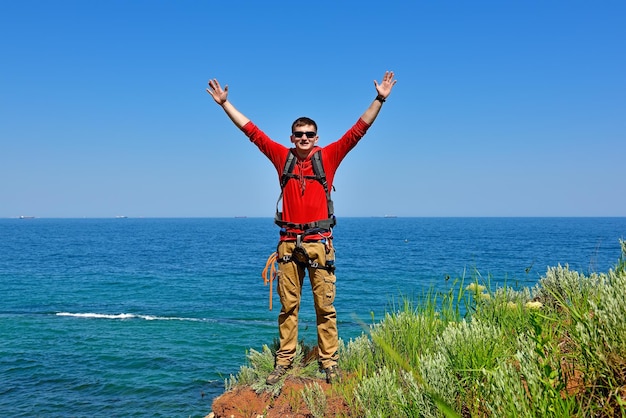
315 399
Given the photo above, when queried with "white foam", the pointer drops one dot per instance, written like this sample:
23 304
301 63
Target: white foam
123 316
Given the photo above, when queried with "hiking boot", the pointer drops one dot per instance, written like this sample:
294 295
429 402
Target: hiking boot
332 374
274 377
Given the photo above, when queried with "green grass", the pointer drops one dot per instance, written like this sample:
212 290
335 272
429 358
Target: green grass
555 350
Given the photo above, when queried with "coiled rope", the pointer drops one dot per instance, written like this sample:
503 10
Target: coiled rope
269 273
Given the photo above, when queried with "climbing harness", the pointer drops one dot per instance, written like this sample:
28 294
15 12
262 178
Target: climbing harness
299 256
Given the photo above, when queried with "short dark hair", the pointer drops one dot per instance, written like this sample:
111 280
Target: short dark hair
302 122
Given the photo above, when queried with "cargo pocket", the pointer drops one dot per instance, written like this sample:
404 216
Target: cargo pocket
330 279
329 289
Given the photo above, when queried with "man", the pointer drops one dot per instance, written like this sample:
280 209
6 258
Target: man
306 222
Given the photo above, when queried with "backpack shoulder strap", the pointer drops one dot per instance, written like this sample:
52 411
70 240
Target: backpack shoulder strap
287 169
318 169
320 175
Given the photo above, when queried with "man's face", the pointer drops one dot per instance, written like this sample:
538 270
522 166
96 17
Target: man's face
304 138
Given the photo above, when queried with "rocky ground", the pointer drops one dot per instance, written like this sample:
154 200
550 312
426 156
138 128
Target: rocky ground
243 402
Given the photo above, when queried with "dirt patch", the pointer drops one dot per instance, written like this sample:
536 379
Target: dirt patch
243 402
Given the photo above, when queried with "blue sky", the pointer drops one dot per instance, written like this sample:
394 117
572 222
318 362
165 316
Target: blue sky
501 108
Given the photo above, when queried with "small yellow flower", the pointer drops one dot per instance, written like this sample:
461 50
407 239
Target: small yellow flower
512 305
485 296
475 287
534 305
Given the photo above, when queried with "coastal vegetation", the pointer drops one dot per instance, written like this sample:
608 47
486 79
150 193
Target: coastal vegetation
557 349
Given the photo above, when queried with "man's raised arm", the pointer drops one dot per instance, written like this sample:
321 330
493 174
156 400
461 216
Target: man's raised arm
221 98
383 89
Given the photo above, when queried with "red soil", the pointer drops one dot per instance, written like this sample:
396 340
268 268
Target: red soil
243 402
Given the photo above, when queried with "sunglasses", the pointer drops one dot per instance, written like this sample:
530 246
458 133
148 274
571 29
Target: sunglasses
308 134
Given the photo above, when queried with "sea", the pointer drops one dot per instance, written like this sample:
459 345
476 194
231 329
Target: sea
133 317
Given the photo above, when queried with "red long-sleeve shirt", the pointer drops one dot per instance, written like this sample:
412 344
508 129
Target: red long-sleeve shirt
304 201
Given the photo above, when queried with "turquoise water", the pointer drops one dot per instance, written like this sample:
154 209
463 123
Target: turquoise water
146 317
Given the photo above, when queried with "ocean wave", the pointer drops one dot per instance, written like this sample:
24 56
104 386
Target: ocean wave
125 316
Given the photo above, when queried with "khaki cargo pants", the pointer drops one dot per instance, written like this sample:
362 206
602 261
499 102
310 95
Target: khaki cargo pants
290 281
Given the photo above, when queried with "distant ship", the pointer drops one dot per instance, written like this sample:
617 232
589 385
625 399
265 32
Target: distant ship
390 216
27 217
121 217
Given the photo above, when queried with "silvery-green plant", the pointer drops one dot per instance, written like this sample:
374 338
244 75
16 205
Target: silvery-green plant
472 345
471 349
315 399
562 286
261 364
357 355
381 395
533 384
600 335
437 379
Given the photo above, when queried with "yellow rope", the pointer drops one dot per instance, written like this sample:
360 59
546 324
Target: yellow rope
269 273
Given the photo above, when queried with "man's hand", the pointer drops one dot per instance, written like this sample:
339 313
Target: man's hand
384 88
220 95
221 98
